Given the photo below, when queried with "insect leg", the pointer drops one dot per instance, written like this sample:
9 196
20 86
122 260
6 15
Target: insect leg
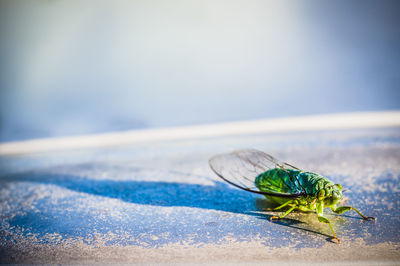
342 209
279 207
283 215
322 219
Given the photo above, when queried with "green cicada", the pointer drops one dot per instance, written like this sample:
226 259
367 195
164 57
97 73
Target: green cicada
282 183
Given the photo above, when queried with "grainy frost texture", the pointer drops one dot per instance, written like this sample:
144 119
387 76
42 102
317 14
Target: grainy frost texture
159 202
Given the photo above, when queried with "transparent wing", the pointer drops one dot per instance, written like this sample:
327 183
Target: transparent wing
240 169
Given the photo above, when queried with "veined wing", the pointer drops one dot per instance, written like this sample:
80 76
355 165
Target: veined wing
240 169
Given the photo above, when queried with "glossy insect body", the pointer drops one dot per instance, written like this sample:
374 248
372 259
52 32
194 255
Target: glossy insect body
260 173
307 185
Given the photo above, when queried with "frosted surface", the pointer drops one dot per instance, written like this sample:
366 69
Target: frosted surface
160 202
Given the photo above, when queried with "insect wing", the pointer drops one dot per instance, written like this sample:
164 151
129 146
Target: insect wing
240 168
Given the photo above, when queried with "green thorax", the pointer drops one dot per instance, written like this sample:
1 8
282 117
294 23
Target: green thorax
290 181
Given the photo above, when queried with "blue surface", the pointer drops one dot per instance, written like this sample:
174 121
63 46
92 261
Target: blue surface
160 194
67 218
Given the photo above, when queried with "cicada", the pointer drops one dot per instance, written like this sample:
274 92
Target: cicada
282 183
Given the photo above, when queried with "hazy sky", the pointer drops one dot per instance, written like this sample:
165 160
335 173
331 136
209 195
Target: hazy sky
78 67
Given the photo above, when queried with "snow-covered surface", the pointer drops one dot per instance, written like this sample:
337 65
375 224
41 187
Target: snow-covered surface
159 202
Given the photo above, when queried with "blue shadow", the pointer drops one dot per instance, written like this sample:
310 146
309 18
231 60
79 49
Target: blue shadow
219 196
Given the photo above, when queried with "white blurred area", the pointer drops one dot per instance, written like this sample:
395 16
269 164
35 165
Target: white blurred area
81 67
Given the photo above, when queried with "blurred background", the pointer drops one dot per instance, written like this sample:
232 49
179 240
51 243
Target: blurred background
82 67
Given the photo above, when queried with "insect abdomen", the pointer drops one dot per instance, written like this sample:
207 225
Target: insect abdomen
278 181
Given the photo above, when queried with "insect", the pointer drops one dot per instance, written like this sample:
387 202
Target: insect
282 183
